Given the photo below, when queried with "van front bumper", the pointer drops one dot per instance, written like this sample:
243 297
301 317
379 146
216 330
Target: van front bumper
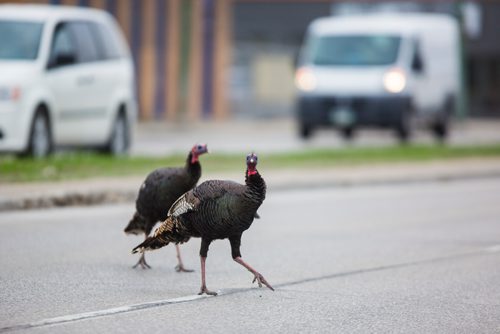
383 111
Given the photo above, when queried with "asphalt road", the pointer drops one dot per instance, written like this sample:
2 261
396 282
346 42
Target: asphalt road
405 258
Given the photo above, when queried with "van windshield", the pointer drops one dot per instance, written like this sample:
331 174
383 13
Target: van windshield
354 50
19 40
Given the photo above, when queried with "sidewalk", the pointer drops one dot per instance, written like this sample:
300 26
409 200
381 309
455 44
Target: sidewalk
279 135
117 190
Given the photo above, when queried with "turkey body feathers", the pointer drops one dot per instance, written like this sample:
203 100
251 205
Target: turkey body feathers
161 188
157 193
213 210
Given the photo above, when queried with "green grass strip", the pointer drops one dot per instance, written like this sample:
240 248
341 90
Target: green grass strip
81 165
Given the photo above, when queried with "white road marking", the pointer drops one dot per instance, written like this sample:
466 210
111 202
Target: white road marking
493 249
106 312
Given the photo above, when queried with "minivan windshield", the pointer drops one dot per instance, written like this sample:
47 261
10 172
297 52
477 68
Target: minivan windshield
354 50
19 40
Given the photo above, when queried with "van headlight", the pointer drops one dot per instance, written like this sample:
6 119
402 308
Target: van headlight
394 80
305 79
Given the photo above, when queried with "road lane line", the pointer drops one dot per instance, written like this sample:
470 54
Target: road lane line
106 312
493 249
190 298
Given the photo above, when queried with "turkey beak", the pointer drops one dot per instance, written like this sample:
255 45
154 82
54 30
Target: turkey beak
252 161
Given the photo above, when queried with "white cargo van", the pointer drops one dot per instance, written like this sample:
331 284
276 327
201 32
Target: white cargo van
384 70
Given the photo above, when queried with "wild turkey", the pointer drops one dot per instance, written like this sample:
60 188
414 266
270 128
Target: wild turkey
213 210
158 192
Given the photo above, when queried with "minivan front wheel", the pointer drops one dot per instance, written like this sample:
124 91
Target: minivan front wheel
40 139
119 141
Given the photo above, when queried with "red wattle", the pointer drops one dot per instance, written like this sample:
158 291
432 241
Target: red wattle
252 172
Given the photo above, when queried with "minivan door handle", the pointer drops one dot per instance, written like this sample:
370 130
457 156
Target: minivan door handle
85 80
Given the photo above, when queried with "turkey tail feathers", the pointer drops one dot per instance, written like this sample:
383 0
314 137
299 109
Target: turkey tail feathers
167 232
151 243
183 204
137 225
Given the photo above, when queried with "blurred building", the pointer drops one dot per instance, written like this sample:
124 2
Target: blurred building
199 59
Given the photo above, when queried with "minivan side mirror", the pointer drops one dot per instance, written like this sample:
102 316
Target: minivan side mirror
63 59
296 58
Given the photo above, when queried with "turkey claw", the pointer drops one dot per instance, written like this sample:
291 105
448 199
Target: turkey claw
142 263
261 280
208 292
181 269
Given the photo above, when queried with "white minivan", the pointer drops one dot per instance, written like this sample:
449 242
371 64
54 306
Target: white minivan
66 79
383 70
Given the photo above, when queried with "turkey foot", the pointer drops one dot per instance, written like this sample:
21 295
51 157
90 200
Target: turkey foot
261 280
208 292
180 267
142 263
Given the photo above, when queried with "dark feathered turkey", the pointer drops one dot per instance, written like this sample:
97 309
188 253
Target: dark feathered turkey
213 210
159 191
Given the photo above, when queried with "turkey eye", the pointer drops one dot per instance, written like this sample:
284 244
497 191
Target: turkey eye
199 147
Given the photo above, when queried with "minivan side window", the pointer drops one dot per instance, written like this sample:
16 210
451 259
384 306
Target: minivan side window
63 50
87 47
73 42
108 46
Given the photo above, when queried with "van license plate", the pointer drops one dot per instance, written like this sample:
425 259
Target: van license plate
342 116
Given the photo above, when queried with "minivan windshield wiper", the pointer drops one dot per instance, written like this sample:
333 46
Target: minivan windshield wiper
354 50
19 40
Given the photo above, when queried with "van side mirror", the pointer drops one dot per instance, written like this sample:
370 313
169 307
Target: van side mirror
417 64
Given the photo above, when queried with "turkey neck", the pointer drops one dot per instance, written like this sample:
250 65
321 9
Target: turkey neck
256 187
193 168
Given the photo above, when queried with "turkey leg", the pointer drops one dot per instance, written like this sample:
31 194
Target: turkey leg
236 254
203 288
142 260
257 276
203 257
180 266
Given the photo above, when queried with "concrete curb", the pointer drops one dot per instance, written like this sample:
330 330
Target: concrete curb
124 190
69 199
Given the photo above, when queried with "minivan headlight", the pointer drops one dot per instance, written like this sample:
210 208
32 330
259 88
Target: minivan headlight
395 80
10 93
305 79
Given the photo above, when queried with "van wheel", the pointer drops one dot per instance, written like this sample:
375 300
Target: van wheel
440 126
40 139
440 130
404 127
119 141
305 131
347 133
